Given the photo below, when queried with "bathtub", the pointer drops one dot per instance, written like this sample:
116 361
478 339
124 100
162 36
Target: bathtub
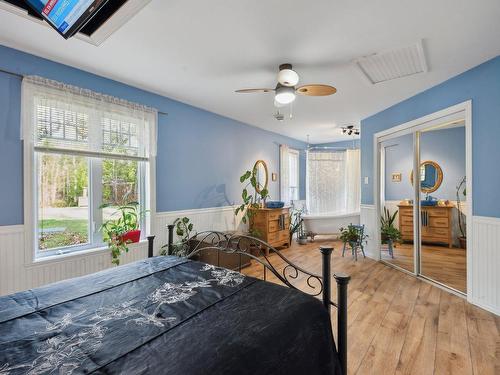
329 223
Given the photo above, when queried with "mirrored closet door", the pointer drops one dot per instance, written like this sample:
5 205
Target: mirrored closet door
442 205
423 201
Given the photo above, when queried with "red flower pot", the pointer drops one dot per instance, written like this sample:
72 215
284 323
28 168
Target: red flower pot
132 237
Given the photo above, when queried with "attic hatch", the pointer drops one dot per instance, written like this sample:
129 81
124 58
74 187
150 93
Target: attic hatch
392 64
109 19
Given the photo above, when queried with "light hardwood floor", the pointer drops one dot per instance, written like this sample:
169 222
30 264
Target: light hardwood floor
440 263
398 324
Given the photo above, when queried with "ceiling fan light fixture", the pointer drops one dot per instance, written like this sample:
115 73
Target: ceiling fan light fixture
285 95
288 77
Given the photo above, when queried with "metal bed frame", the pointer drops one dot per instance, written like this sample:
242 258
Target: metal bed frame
243 245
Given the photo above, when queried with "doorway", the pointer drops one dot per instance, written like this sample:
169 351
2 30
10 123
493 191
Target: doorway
423 197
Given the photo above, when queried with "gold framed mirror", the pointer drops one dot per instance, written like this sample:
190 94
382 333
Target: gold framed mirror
431 176
261 175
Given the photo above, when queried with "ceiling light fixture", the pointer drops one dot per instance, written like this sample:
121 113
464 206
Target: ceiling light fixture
350 130
287 76
285 95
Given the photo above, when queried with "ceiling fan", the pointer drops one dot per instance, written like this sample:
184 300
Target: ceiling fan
285 90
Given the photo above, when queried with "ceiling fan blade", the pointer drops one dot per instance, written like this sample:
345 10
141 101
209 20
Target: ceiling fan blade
246 91
316 90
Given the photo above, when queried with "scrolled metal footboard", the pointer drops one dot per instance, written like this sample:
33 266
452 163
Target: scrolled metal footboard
260 251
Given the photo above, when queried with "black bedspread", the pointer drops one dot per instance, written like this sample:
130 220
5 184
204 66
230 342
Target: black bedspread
165 315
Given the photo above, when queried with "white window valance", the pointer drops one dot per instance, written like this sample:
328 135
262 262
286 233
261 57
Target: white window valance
66 119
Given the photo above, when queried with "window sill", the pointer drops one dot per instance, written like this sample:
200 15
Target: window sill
79 254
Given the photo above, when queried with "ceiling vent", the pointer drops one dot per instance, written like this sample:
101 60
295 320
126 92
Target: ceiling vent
396 63
113 15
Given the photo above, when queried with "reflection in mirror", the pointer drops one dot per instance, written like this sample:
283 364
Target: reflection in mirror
431 176
261 175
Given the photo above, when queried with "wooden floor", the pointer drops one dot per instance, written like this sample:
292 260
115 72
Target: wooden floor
440 263
401 325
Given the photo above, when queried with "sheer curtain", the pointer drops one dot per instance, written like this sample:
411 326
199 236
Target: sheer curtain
333 181
326 182
353 180
285 174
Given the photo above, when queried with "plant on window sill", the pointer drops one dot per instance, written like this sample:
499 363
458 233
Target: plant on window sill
250 201
119 232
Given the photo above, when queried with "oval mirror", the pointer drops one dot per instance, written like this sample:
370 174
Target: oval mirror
431 176
261 175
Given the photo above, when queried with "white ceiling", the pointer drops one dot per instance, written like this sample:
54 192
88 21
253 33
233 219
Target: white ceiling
199 52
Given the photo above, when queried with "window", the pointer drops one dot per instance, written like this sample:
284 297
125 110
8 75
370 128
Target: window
85 149
289 174
333 181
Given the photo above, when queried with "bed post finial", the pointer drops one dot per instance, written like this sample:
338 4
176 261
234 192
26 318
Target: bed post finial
170 238
342 282
150 246
327 254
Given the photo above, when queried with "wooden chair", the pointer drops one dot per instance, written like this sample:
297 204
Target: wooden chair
356 245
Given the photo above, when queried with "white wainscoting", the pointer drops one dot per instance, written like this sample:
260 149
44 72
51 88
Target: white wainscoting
16 275
484 264
369 219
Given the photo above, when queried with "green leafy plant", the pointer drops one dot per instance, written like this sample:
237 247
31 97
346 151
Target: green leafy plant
113 229
251 199
387 229
296 222
184 230
352 234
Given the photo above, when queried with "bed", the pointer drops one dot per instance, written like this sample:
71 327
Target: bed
171 315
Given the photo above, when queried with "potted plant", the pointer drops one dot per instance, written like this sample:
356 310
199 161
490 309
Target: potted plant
389 233
295 221
122 229
352 235
301 235
250 201
461 190
183 229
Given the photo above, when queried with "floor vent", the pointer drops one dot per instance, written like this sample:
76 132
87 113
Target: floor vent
396 63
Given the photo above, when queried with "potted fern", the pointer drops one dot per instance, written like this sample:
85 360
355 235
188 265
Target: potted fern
122 229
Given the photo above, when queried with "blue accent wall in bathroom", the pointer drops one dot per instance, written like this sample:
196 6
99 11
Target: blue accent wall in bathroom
481 85
200 154
446 147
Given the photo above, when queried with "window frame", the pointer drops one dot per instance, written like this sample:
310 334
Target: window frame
146 188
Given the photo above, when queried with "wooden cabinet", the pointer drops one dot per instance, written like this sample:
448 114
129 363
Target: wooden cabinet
437 224
272 225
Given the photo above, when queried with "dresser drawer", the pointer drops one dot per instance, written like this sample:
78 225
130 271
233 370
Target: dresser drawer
407 230
438 222
280 236
437 212
435 232
274 226
406 220
275 214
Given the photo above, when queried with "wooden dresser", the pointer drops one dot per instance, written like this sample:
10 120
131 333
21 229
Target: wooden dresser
437 223
272 225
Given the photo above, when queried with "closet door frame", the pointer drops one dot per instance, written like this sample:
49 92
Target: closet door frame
461 111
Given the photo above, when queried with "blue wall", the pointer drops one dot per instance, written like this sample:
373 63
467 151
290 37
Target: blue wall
446 147
481 85
200 154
